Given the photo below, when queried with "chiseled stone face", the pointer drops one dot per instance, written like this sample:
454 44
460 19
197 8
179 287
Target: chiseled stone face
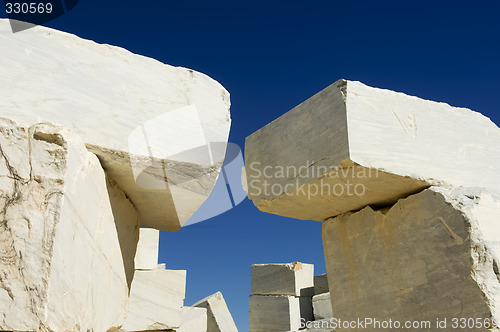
61 267
432 255
159 131
351 145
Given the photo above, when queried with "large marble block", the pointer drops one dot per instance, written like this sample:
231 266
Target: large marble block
146 257
432 255
351 145
156 300
159 131
61 263
282 279
219 317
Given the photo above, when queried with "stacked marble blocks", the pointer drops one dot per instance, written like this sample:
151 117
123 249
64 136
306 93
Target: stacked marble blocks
160 132
281 296
407 190
86 160
157 294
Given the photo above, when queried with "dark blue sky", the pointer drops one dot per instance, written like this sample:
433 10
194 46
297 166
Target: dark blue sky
273 55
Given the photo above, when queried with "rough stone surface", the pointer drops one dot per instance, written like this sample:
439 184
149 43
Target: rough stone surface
156 300
351 145
146 257
321 284
432 255
159 131
322 306
268 313
193 320
61 267
282 279
219 317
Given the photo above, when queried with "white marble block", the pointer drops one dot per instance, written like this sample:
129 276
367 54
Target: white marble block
322 306
351 145
146 257
159 131
219 317
193 319
432 254
61 265
282 279
273 313
156 300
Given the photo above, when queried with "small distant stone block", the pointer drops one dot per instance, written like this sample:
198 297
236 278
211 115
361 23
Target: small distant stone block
219 318
193 319
295 279
156 300
274 313
321 284
146 257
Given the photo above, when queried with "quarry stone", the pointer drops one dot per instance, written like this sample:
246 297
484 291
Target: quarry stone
350 146
159 131
61 263
431 255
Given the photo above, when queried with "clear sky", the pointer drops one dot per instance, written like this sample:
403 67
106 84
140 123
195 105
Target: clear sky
273 55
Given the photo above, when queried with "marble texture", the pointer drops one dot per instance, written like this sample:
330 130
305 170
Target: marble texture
322 306
351 145
61 266
159 131
282 279
219 317
156 300
193 320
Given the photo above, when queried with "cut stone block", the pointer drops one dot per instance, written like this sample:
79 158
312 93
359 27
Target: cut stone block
61 267
321 284
351 145
219 317
159 131
322 306
432 255
282 279
268 313
156 300
146 257
193 320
